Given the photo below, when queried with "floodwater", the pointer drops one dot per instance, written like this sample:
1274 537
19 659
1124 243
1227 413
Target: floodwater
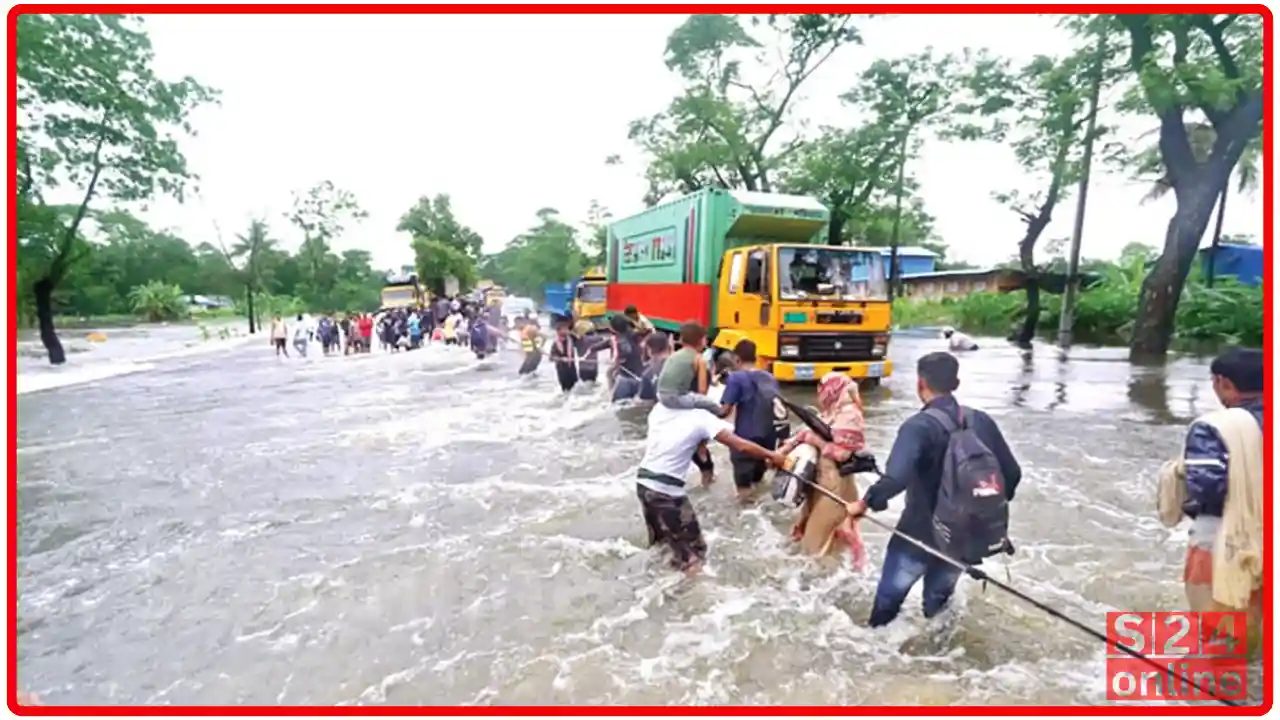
414 529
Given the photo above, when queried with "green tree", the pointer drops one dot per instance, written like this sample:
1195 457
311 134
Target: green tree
92 114
598 218
547 253
1183 69
443 247
846 168
322 213
723 129
1202 138
915 93
1041 110
249 257
159 301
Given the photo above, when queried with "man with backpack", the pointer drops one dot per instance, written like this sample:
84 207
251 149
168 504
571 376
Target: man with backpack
750 393
959 476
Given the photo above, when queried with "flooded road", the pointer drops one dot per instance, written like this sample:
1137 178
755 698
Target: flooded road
412 529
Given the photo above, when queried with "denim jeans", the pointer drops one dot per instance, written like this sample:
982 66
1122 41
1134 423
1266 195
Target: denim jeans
903 568
625 388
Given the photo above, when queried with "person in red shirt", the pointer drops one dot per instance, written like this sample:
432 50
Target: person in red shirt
366 332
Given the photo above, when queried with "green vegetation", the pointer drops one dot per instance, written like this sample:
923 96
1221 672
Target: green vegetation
734 125
96 122
1228 312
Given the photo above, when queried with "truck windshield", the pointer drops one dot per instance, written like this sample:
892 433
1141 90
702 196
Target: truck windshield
394 294
831 272
591 293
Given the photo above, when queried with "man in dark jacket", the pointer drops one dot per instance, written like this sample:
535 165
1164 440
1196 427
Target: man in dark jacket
1237 381
915 465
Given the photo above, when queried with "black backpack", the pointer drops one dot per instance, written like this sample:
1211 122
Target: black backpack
971 518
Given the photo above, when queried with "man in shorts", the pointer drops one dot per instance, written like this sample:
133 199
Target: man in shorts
674 436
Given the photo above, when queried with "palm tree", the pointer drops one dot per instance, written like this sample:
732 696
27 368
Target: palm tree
1201 137
158 301
247 254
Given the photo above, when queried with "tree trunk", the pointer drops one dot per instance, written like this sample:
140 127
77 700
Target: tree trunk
1027 332
895 269
1217 236
44 316
1162 288
248 294
835 228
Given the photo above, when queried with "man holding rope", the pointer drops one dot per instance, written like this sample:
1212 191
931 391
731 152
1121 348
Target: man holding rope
917 464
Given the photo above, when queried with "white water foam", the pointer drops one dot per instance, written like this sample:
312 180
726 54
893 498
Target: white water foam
78 374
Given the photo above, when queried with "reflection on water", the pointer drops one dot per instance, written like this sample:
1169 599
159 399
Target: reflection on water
407 530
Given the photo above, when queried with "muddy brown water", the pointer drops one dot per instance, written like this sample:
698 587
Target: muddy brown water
414 529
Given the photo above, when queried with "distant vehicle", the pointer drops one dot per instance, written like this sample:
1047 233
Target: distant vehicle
402 291
517 307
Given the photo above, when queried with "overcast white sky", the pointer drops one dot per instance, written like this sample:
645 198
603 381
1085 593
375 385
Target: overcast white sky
509 114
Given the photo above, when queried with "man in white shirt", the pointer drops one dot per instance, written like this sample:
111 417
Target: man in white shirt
674 436
301 335
958 341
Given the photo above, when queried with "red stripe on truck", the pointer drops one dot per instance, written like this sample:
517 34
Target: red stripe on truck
673 303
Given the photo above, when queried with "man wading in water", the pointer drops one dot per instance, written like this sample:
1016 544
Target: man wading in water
750 394
1218 484
673 437
280 336
916 465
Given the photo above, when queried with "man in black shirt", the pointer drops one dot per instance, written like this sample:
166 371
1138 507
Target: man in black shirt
915 465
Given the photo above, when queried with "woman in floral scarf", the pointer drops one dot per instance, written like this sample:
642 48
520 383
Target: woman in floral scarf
824 524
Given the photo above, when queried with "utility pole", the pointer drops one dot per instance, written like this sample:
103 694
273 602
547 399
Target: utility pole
1066 319
895 277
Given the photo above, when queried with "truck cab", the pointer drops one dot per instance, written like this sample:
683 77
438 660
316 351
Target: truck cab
590 296
402 291
810 309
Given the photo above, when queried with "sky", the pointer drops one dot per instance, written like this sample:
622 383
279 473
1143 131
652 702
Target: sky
510 114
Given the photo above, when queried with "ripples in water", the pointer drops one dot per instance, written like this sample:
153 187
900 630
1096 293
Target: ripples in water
408 530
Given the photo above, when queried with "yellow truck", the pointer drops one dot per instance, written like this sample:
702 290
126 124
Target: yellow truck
589 297
753 266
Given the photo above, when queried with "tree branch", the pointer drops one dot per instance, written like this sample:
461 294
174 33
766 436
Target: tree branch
60 264
1214 32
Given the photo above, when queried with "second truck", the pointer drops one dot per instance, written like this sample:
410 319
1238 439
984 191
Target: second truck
752 266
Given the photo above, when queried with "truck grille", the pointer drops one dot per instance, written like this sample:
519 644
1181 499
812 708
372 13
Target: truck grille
834 347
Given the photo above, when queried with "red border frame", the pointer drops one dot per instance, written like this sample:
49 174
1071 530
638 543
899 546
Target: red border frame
1060 8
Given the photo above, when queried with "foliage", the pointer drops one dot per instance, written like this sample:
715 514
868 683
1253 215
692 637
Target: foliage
1227 313
598 218
159 301
94 116
127 253
322 214
1185 69
547 253
723 128
442 246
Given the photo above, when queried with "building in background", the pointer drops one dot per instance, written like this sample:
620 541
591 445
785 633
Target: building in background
912 260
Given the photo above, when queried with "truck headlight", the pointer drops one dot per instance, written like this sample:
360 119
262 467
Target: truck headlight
882 344
789 351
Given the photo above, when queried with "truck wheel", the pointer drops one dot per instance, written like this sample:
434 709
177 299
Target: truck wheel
869 383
